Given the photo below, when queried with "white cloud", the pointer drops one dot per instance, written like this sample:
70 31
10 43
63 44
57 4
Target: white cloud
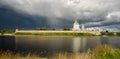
68 9
56 8
113 14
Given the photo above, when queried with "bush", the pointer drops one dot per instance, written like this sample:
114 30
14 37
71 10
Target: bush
66 29
106 52
6 31
100 52
43 28
12 55
53 29
2 32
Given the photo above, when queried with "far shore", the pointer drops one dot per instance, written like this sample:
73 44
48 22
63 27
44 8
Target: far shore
59 33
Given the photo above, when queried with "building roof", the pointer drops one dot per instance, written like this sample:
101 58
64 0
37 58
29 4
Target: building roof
76 22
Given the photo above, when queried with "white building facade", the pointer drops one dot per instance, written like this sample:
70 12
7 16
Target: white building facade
82 27
76 26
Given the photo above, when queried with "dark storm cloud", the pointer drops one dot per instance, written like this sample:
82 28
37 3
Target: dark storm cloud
96 13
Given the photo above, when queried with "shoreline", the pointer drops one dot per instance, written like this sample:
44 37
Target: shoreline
67 35
60 33
57 33
98 52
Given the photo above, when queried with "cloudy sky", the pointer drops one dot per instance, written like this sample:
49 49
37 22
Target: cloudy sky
60 13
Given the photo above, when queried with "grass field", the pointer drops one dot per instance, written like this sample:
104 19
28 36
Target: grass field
100 52
57 34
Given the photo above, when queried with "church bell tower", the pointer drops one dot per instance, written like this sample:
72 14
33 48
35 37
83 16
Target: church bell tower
76 25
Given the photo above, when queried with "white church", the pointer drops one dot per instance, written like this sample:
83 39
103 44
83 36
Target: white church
77 27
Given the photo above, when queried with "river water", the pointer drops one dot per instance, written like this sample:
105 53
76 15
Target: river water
46 46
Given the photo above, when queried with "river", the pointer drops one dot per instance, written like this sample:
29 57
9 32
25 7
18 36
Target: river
46 46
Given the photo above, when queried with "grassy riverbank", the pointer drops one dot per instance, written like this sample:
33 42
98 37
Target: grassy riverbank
63 34
69 34
111 33
100 52
57 34
12 55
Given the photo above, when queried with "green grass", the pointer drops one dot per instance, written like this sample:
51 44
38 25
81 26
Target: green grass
100 52
111 33
11 55
106 52
56 34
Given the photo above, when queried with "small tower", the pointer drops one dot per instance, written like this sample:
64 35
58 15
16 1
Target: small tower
82 27
76 25
16 30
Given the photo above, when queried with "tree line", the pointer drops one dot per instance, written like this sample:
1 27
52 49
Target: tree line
45 28
6 31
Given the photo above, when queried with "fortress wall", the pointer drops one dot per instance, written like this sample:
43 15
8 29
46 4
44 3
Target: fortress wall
55 31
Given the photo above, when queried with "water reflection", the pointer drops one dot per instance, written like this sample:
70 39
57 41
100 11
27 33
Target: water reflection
78 44
50 45
7 43
104 40
114 41
81 44
47 45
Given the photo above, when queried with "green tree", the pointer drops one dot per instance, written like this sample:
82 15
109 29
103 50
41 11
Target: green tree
53 29
2 32
106 31
66 28
43 28
7 31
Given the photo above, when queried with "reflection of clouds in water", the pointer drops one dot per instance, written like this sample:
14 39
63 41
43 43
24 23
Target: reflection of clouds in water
104 40
16 40
114 41
78 44
55 43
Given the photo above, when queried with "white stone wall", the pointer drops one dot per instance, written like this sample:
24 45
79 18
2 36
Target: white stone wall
50 31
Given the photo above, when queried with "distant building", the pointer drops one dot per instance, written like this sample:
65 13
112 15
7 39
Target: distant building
76 25
82 27
76 29
93 29
16 30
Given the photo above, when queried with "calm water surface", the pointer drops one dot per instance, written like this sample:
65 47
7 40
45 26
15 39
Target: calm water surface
45 46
